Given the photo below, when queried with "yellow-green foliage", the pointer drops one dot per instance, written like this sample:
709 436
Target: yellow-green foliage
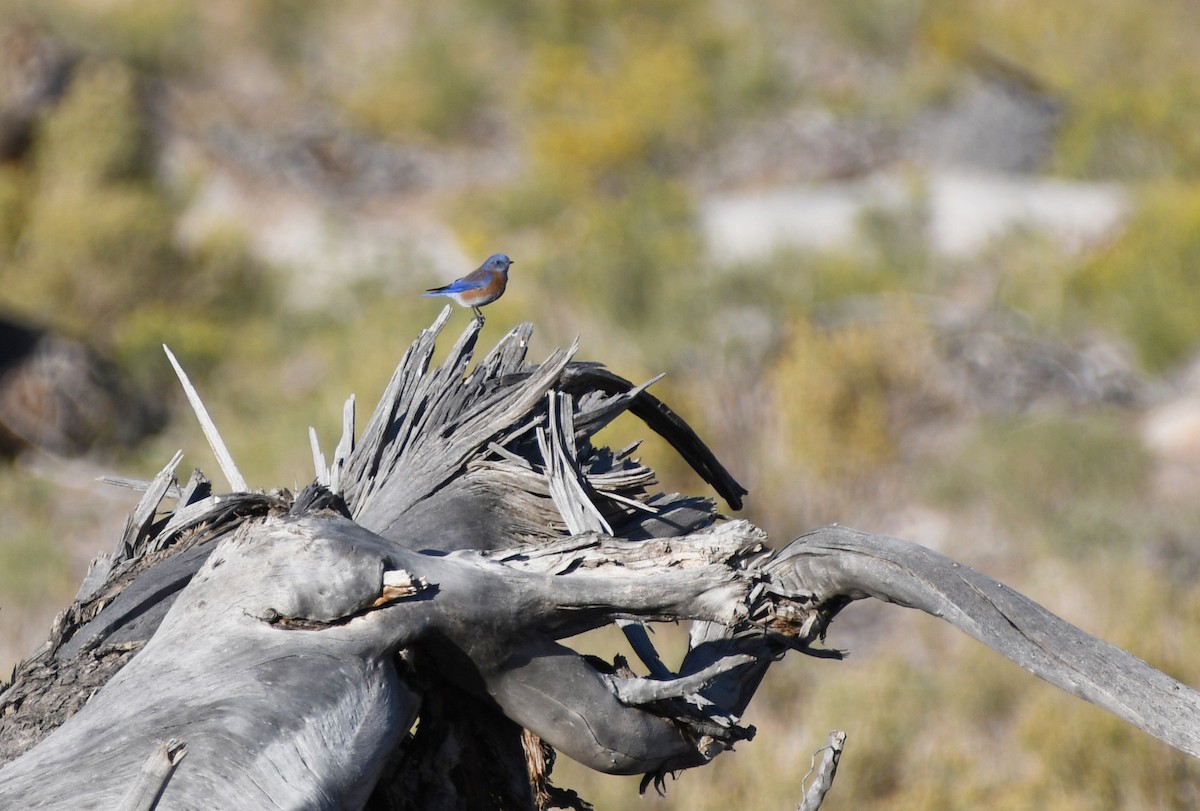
834 392
87 235
36 575
625 246
1059 475
1079 746
1138 120
1029 273
436 86
94 135
593 118
1153 613
159 34
95 236
636 87
31 563
608 107
878 26
213 298
610 103
14 199
1145 283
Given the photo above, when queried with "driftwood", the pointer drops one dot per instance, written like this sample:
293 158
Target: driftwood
270 650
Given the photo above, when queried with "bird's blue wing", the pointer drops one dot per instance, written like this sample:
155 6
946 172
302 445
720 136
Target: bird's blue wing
474 280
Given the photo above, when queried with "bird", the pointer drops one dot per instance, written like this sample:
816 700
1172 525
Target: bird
481 286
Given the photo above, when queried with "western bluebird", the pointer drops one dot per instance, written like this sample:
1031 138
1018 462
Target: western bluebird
479 287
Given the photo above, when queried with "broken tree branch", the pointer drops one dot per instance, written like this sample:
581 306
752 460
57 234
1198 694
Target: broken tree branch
837 563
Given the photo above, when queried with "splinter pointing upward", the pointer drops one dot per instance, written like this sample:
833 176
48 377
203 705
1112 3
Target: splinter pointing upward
479 287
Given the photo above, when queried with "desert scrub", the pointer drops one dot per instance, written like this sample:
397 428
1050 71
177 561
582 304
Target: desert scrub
838 393
88 233
1074 482
1144 283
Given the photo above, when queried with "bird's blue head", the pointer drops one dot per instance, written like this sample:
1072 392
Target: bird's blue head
497 261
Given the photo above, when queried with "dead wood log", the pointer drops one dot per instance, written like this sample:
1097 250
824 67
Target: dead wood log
837 563
290 643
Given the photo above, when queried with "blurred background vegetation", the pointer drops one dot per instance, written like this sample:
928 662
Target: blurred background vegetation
266 186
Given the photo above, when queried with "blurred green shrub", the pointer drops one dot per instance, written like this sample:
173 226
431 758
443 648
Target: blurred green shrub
1147 282
88 235
165 34
885 27
1121 767
31 563
1130 80
836 393
14 202
591 119
1028 272
611 104
435 88
94 234
1070 480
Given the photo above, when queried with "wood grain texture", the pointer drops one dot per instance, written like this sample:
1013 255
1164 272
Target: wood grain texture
838 562
290 641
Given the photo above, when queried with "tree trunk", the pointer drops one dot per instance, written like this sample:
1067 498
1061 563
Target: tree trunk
259 650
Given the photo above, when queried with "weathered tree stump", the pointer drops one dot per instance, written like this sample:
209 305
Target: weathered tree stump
389 637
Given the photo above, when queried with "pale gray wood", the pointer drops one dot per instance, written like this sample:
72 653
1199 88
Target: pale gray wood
138 524
144 794
345 446
294 658
141 485
826 771
290 697
321 471
273 718
482 508
837 563
566 481
634 690
224 458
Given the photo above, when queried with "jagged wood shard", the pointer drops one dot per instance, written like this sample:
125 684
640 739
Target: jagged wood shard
224 459
826 770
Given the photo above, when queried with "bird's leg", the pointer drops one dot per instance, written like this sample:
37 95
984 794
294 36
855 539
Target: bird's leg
478 314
